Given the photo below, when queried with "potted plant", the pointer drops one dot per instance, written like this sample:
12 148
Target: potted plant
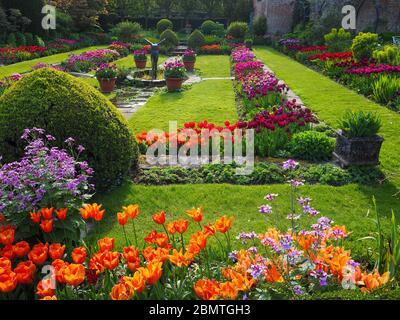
189 59
140 57
106 74
358 143
175 75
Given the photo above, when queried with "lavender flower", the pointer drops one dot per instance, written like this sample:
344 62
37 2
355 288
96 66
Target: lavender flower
271 197
265 209
290 164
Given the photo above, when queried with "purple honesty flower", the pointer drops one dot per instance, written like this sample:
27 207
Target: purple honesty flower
252 250
265 209
233 256
257 270
296 183
270 197
321 275
298 290
286 242
290 164
247 236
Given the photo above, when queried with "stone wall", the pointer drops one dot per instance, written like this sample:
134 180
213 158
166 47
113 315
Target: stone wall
279 13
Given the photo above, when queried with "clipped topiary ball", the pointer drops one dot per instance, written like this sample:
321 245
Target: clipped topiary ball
196 39
171 38
312 145
164 24
68 107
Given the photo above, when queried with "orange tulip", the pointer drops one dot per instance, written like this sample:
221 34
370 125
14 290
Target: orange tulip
5 265
122 218
131 256
96 263
121 291
181 226
35 217
45 288
171 228
131 210
59 266
178 259
47 213
209 230
56 251
111 260
21 249
62 213
151 237
8 282
223 224
159 218
151 254
79 255
373 281
7 234
195 214
106 244
25 272
206 289
47 226
152 273
198 241
98 213
8 252
92 211
161 240
39 253
74 274
49 298
2 218
228 291
137 283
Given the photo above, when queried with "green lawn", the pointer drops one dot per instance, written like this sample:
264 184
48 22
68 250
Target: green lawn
209 100
330 101
213 66
26 66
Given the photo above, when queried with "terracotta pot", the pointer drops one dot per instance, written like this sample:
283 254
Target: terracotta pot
140 64
174 84
189 65
107 85
357 151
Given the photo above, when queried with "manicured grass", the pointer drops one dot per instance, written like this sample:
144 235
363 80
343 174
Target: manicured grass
128 62
211 66
26 66
330 101
209 100
347 205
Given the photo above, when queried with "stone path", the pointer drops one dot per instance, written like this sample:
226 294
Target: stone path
129 106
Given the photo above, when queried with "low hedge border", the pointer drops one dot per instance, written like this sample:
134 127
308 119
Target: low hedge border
264 173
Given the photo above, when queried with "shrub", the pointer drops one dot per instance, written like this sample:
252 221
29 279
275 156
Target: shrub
171 39
68 107
338 41
364 45
127 31
212 40
260 26
238 30
21 40
11 40
29 39
39 41
360 124
311 145
196 39
390 54
164 24
386 89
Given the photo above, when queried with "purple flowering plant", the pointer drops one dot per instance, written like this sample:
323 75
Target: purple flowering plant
189 55
106 71
174 69
45 177
140 55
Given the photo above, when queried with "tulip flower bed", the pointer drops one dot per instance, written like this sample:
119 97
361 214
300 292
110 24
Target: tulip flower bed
363 76
291 263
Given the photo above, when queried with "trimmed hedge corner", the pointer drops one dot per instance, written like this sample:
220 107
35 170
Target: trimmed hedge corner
68 107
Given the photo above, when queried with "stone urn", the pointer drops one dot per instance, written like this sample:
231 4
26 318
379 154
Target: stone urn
357 151
107 85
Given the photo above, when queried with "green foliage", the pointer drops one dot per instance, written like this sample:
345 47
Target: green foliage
389 54
21 39
127 31
386 89
29 39
238 30
196 39
260 26
311 145
39 41
210 40
338 40
171 38
164 24
364 45
11 40
208 27
383 293
68 107
360 124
